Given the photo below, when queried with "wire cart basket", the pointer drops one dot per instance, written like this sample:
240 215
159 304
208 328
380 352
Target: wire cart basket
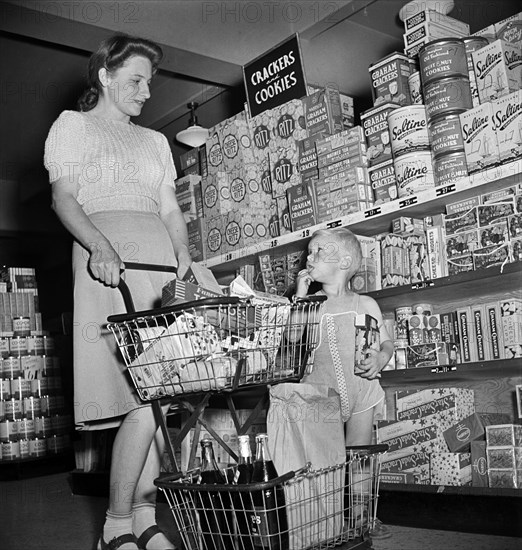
303 510
216 344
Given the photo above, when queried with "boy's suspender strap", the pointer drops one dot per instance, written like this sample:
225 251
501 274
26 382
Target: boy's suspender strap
341 380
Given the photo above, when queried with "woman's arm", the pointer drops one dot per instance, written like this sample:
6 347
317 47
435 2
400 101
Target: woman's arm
104 262
172 217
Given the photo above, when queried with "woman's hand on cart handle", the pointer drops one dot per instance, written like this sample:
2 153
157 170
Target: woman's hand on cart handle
184 261
105 264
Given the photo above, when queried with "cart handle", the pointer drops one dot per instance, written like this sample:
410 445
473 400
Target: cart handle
124 288
367 449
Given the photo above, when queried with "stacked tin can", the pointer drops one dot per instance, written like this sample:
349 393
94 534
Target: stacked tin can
447 93
408 128
32 405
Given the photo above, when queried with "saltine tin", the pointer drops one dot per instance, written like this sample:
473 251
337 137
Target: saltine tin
450 168
445 135
415 87
408 128
447 95
414 173
442 58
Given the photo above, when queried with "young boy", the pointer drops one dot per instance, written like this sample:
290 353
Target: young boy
334 256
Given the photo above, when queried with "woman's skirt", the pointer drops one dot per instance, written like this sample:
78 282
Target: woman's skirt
103 389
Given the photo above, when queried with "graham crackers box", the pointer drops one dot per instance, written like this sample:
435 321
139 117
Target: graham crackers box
384 182
480 139
494 332
376 133
389 77
301 205
322 112
450 469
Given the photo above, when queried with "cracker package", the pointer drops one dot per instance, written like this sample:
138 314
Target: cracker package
450 469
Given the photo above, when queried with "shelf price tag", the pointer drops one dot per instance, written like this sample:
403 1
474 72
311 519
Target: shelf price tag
423 284
335 223
273 243
444 368
229 256
305 233
407 202
372 212
441 191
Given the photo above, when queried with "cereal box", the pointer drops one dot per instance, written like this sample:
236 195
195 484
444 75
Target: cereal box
384 182
188 195
480 140
450 469
322 111
189 159
497 69
510 29
375 125
395 261
389 77
437 261
507 123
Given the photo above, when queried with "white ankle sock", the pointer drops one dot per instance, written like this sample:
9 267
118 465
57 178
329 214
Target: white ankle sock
117 525
143 516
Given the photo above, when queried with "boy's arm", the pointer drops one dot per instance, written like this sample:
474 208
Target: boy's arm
376 360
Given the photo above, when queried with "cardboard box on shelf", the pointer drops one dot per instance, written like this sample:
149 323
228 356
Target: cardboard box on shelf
322 112
375 125
460 436
402 436
422 17
196 239
384 182
504 478
301 205
510 29
507 123
416 463
507 457
450 469
501 435
479 464
389 78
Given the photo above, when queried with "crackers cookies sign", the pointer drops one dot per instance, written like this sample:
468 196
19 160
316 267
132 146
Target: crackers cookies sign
275 77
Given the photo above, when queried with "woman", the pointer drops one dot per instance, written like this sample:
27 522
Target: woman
113 189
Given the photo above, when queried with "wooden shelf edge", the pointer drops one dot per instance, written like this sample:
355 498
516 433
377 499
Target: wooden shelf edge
463 371
502 176
444 490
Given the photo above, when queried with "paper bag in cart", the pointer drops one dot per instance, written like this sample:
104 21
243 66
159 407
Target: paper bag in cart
304 425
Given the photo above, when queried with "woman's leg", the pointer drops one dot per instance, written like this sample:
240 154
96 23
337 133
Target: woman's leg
130 451
144 500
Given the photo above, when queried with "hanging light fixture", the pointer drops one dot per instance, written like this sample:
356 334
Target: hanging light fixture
194 135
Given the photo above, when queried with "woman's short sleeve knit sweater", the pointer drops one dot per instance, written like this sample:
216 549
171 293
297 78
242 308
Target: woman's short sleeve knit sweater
119 166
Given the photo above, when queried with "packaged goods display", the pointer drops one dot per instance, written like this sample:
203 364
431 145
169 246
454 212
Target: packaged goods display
375 124
408 129
442 58
389 79
34 420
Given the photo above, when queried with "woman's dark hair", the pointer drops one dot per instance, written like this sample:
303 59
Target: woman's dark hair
112 54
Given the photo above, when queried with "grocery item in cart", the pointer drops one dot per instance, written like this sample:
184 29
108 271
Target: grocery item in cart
185 356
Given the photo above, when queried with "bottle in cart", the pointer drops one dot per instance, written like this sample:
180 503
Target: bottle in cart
216 511
242 499
268 522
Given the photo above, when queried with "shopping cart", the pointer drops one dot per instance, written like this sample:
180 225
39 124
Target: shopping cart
213 345
304 510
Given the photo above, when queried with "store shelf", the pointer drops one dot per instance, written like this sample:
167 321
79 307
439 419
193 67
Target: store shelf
454 373
378 219
464 509
470 284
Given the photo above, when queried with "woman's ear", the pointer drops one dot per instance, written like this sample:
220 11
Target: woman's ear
103 76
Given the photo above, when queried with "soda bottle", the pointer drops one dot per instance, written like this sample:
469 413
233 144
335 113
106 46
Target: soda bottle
242 500
216 511
268 522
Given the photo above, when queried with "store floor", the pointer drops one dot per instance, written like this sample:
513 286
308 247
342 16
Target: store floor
42 513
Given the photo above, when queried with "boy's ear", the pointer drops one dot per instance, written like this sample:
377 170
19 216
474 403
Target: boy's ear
346 262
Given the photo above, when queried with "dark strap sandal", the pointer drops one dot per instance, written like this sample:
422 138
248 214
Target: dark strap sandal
145 537
116 542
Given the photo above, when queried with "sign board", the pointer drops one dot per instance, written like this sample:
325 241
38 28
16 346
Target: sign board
275 77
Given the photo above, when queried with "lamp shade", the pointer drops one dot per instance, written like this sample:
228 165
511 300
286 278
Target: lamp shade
193 136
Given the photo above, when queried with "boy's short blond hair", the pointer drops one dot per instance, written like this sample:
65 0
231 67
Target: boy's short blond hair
350 243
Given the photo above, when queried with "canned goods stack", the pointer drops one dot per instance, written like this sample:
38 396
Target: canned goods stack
446 87
33 422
